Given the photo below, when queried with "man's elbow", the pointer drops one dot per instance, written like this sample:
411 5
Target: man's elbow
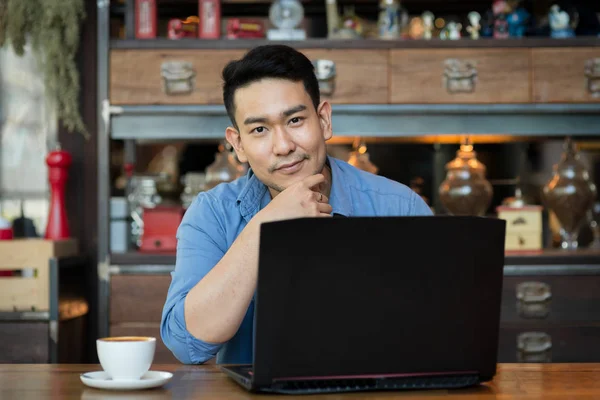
174 342
177 340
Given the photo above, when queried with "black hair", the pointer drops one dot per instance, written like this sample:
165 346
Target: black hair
269 61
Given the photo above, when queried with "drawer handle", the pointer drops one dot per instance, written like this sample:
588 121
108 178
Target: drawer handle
534 347
533 299
460 76
325 71
592 75
178 77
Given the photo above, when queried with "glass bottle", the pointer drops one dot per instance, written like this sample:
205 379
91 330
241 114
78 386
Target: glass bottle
225 168
193 183
570 194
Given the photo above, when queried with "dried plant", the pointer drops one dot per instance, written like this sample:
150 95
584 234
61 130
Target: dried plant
52 28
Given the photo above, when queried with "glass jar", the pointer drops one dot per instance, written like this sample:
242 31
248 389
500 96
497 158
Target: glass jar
225 168
193 183
465 191
142 192
570 194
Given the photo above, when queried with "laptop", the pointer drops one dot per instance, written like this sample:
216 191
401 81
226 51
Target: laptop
375 303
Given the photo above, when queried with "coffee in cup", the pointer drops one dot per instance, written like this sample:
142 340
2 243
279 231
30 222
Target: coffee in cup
126 357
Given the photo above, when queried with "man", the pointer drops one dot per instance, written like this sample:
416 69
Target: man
279 126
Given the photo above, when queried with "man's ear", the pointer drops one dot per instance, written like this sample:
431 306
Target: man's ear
233 137
324 112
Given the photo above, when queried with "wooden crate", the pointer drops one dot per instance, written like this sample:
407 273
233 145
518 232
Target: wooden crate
30 293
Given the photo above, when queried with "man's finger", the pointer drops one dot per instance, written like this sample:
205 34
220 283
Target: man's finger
314 180
324 208
320 197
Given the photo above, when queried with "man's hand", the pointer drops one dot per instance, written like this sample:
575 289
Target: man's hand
302 199
216 306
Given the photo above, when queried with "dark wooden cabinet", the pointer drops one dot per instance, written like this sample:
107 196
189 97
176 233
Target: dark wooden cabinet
544 317
550 318
549 343
136 303
547 300
30 342
137 298
24 342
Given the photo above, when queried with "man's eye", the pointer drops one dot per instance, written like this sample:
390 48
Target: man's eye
259 129
295 120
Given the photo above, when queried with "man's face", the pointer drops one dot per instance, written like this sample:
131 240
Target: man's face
280 134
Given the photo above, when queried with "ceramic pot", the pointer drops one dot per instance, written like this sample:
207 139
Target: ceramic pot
465 191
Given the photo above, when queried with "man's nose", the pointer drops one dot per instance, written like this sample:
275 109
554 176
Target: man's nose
283 143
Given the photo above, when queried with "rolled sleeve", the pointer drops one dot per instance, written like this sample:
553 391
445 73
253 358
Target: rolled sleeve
200 246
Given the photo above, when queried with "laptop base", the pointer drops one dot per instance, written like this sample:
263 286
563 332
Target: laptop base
242 375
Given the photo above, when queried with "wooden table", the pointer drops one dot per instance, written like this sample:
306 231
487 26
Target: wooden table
513 381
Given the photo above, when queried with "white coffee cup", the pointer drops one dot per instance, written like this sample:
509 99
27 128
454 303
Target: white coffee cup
126 357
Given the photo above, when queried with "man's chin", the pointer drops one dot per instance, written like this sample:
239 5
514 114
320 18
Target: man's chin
290 180
285 181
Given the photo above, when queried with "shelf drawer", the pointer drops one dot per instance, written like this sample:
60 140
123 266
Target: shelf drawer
551 299
138 298
460 76
549 345
560 76
361 76
24 343
168 76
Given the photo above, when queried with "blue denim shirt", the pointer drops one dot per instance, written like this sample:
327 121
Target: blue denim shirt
216 218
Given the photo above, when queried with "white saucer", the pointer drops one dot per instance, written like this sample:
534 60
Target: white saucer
101 380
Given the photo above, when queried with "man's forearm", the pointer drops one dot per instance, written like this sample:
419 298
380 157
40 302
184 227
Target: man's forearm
216 306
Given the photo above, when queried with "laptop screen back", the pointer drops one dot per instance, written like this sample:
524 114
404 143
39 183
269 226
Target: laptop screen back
362 296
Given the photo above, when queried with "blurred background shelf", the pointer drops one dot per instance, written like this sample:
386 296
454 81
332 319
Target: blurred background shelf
189 43
175 122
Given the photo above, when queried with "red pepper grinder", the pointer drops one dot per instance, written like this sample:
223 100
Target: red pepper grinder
58 162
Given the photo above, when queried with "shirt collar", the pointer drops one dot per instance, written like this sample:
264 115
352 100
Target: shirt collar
254 195
339 197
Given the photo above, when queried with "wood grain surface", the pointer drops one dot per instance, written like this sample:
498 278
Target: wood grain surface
503 76
135 76
513 381
362 75
559 75
138 298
